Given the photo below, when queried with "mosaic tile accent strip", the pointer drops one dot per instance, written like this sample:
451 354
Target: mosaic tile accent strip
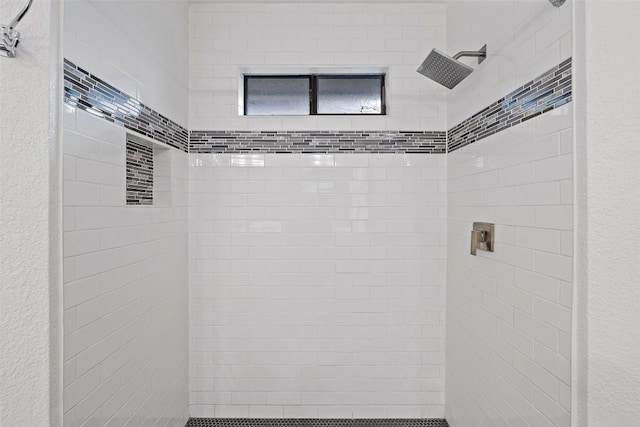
85 91
312 422
545 93
139 172
317 142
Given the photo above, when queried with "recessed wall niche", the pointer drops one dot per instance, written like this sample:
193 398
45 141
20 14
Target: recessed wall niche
148 171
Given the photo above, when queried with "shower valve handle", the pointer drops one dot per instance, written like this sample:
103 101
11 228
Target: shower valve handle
482 237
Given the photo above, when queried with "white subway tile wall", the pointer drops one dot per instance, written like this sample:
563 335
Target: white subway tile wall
524 39
317 285
227 38
125 285
316 281
509 312
138 46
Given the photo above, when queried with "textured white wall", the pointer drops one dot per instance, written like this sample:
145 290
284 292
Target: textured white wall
140 47
524 39
29 221
226 37
607 149
316 285
125 286
509 313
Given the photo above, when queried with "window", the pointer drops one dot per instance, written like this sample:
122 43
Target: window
277 96
304 95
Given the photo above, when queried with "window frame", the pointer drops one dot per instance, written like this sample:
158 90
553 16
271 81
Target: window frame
313 93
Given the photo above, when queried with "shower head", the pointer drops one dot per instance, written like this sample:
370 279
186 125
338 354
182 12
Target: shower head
557 3
446 70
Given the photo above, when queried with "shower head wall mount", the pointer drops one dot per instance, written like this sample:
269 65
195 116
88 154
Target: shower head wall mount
481 54
9 37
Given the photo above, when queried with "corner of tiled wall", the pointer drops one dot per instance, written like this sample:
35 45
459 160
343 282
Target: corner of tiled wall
509 312
125 267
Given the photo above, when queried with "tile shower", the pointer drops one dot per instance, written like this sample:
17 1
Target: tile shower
315 267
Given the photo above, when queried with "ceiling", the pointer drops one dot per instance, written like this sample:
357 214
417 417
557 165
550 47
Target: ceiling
317 1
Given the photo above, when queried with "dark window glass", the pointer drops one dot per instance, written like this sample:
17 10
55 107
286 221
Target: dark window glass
349 94
277 95
314 94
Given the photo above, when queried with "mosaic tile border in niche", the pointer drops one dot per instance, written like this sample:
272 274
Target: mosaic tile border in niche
139 171
327 142
86 91
312 422
545 93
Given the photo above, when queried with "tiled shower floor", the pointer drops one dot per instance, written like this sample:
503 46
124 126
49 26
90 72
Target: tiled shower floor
304 422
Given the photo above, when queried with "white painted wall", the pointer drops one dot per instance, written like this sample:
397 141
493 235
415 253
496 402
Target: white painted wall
228 37
140 47
30 320
607 150
125 286
509 312
316 285
524 39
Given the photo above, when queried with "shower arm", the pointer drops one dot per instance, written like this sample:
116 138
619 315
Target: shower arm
9 37
480 54
469 53
20 15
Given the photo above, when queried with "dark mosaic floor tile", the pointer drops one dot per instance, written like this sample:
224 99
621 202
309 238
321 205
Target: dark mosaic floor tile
308 422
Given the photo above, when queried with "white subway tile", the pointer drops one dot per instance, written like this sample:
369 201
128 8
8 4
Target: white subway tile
553 314
537 284
81 242
537 375
247 160
558 266
265 411
554 168
552 362
549 406
232 411
80 388
540 331
539 239
555 217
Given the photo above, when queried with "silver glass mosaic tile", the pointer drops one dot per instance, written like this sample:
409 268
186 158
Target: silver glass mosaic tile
312 422
139 172
86 91
317 142
94 95
545 93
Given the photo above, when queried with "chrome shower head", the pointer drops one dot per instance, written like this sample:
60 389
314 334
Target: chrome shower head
557 3
446 70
